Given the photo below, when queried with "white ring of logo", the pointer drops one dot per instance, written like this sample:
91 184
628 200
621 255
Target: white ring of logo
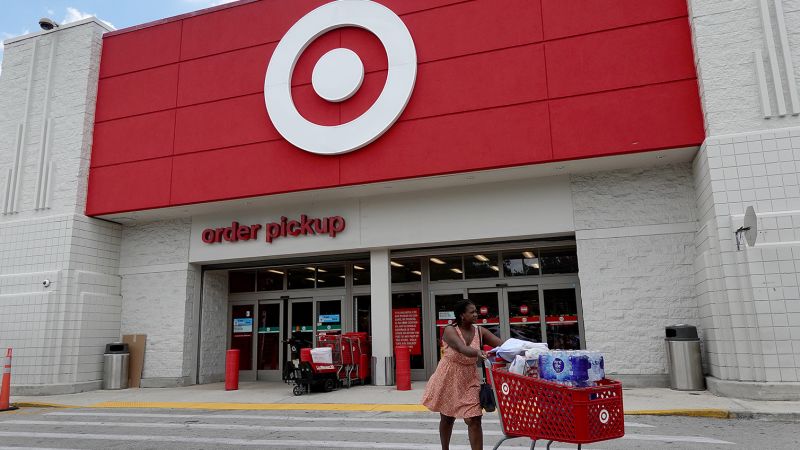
402 61
604 416
505 388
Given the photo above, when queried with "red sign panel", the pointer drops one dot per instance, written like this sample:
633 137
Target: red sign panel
498 84
406 325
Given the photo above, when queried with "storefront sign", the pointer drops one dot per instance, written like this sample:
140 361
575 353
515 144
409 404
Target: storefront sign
305 226
243 325
484 310
523 309
406 327
338 75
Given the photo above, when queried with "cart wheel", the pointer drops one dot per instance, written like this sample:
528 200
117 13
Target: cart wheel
329 385
298 390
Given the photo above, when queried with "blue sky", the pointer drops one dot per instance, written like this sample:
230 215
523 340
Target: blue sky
19 17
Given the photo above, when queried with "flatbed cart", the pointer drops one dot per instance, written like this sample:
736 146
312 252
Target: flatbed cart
543 410
306 375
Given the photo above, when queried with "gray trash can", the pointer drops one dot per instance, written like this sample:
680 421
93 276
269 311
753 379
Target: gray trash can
683 358
388 370
115 366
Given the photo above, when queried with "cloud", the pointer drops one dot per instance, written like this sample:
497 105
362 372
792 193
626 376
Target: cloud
74 15
208 3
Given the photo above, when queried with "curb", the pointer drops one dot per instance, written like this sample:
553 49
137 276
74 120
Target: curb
707 413
42 405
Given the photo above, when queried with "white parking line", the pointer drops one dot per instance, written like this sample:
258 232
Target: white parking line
237 442
360 430
491 420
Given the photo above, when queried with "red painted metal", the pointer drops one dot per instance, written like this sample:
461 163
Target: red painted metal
531 82
402 363
232 370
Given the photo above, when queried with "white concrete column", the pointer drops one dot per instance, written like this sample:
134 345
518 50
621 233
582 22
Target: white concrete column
381 314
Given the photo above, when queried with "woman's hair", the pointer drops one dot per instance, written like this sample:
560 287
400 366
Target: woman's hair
461 308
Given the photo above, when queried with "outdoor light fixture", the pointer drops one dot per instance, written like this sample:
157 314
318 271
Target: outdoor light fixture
437 261
481 258
495 268
275 271
47 24
527 254
396 264
416 272
458 271
358 267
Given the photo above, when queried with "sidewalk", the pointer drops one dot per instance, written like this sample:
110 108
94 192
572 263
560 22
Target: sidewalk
278 396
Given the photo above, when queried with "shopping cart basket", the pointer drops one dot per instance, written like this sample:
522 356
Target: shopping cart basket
544 410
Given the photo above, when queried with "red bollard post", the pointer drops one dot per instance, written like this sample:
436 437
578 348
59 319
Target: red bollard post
232 370
5 387
402 356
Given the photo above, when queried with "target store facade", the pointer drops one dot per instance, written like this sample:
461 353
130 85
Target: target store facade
261 170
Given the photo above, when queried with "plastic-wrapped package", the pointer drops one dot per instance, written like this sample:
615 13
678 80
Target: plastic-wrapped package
518 366
513 347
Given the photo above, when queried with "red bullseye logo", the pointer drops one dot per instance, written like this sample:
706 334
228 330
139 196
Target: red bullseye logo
523 309
484 310
338 75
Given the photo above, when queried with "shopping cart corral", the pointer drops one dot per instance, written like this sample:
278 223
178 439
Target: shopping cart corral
338 361
544 410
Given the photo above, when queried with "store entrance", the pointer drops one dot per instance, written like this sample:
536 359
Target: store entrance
538 313
260 329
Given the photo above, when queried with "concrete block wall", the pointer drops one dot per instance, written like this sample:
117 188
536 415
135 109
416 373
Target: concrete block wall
747 55
160 291
635 233
214 326
58 332
750 299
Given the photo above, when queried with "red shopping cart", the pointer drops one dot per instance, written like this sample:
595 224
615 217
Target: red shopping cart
543 410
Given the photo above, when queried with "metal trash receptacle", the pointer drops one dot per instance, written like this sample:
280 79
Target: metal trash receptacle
115 366
388 370
683 358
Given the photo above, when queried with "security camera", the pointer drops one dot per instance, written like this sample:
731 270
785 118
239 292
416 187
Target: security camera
47 24
46 283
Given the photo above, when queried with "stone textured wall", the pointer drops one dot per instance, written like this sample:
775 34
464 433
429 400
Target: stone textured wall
214 328
160 292
635 235
726 35
58 332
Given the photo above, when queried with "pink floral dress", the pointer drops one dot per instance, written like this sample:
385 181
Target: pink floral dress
454 389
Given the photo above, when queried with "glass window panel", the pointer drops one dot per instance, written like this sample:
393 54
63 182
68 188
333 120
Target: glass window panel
445 315
561 316
241 281
524 319
242 334
330 276
270 279
411 300
481 265
446 268
301 277
269 336
329 317
302 325
488 310
362 305
361 274
405 270
559 260
520 263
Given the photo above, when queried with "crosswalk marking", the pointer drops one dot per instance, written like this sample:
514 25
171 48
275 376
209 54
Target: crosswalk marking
486 419
359 430
236 442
